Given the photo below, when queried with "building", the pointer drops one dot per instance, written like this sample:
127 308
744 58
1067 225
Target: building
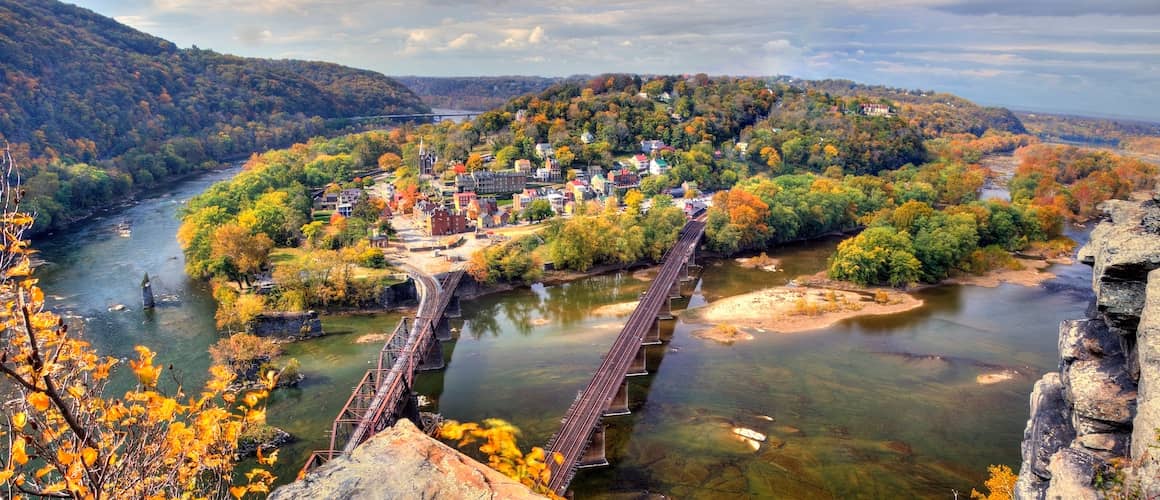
523 166
463 199
624 179
648 146
875 109
486 182
521 200
658 166
641 162
694 207
580 190
587 137
601 186
346 199
442 221
544 150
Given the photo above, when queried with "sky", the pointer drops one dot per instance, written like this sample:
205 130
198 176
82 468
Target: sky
1090 57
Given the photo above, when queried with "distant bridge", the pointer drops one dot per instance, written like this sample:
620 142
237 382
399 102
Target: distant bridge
415 116
580 440
383 396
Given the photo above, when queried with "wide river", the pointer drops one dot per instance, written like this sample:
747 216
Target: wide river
880 407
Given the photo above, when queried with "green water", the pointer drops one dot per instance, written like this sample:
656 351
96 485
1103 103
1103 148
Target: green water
850 416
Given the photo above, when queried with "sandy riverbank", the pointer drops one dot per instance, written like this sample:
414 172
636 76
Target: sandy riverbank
613 310
799 309
1032 274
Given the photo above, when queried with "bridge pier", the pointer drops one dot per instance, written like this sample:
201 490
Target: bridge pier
453 310
442 329
594 454
652 336
639 364
432 358
618 405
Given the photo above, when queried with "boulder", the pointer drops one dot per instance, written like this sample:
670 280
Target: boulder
1048 430
1145 443
1094 373
1121 254
1072 473
402 462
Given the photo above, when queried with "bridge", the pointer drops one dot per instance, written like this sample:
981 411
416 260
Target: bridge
383 396
414 116
580 440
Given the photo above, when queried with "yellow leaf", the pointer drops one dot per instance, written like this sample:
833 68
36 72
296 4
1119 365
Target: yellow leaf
19 419
43 471
238 491
5 475
39 401
19 456
65 457
89 455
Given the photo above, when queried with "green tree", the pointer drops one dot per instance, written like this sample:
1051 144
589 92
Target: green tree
877 256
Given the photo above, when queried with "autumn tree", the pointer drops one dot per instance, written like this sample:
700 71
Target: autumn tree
244 354
390 162
67 439
498 442
239 253
1000 485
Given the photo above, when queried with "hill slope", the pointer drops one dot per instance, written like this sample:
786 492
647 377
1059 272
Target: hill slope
475 92
80 87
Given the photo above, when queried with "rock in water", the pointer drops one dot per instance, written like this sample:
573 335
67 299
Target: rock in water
403 463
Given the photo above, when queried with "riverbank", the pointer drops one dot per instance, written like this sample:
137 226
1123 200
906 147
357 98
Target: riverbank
792 309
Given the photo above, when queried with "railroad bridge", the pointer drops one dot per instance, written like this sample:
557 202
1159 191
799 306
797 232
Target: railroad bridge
384 395
580 440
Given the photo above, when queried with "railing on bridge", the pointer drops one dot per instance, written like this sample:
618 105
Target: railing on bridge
384 392
583 420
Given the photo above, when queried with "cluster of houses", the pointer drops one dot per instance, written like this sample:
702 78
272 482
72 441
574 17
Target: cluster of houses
478 200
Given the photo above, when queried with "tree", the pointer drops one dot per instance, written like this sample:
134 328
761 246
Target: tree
389 162
244 353
879 255
66 440
234 244
1000 486
538 209
497 440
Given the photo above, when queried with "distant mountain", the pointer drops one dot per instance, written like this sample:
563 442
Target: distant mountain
479 93
935 112
80 87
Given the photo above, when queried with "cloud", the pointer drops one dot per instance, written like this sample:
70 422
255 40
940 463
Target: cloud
1066 8
983 49
252 35
461 41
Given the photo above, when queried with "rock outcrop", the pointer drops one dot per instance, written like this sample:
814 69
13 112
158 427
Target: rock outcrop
1102 408
402 462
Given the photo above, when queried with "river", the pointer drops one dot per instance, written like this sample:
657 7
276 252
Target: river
848 412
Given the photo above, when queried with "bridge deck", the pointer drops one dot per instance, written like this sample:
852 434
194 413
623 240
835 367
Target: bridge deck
381 390
588 408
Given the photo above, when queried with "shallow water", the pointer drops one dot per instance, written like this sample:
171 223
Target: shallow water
858 409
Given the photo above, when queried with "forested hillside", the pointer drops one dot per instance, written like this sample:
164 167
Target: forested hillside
478 93
79 87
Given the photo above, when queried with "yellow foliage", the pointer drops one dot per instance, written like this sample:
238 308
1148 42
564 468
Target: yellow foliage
1000 486
144 444
497 440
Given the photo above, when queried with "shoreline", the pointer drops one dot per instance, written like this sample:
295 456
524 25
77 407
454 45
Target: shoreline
794 309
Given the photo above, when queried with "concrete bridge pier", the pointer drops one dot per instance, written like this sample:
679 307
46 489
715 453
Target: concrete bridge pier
619 403
652 336
666 311
453 310
442 329
594 455
432 358
639 364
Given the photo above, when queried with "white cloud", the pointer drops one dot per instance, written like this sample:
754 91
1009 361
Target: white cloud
462 41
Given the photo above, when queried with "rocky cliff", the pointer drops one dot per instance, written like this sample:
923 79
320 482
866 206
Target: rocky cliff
401 462
1098 417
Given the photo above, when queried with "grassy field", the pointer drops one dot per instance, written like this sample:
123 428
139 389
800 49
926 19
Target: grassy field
287 256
